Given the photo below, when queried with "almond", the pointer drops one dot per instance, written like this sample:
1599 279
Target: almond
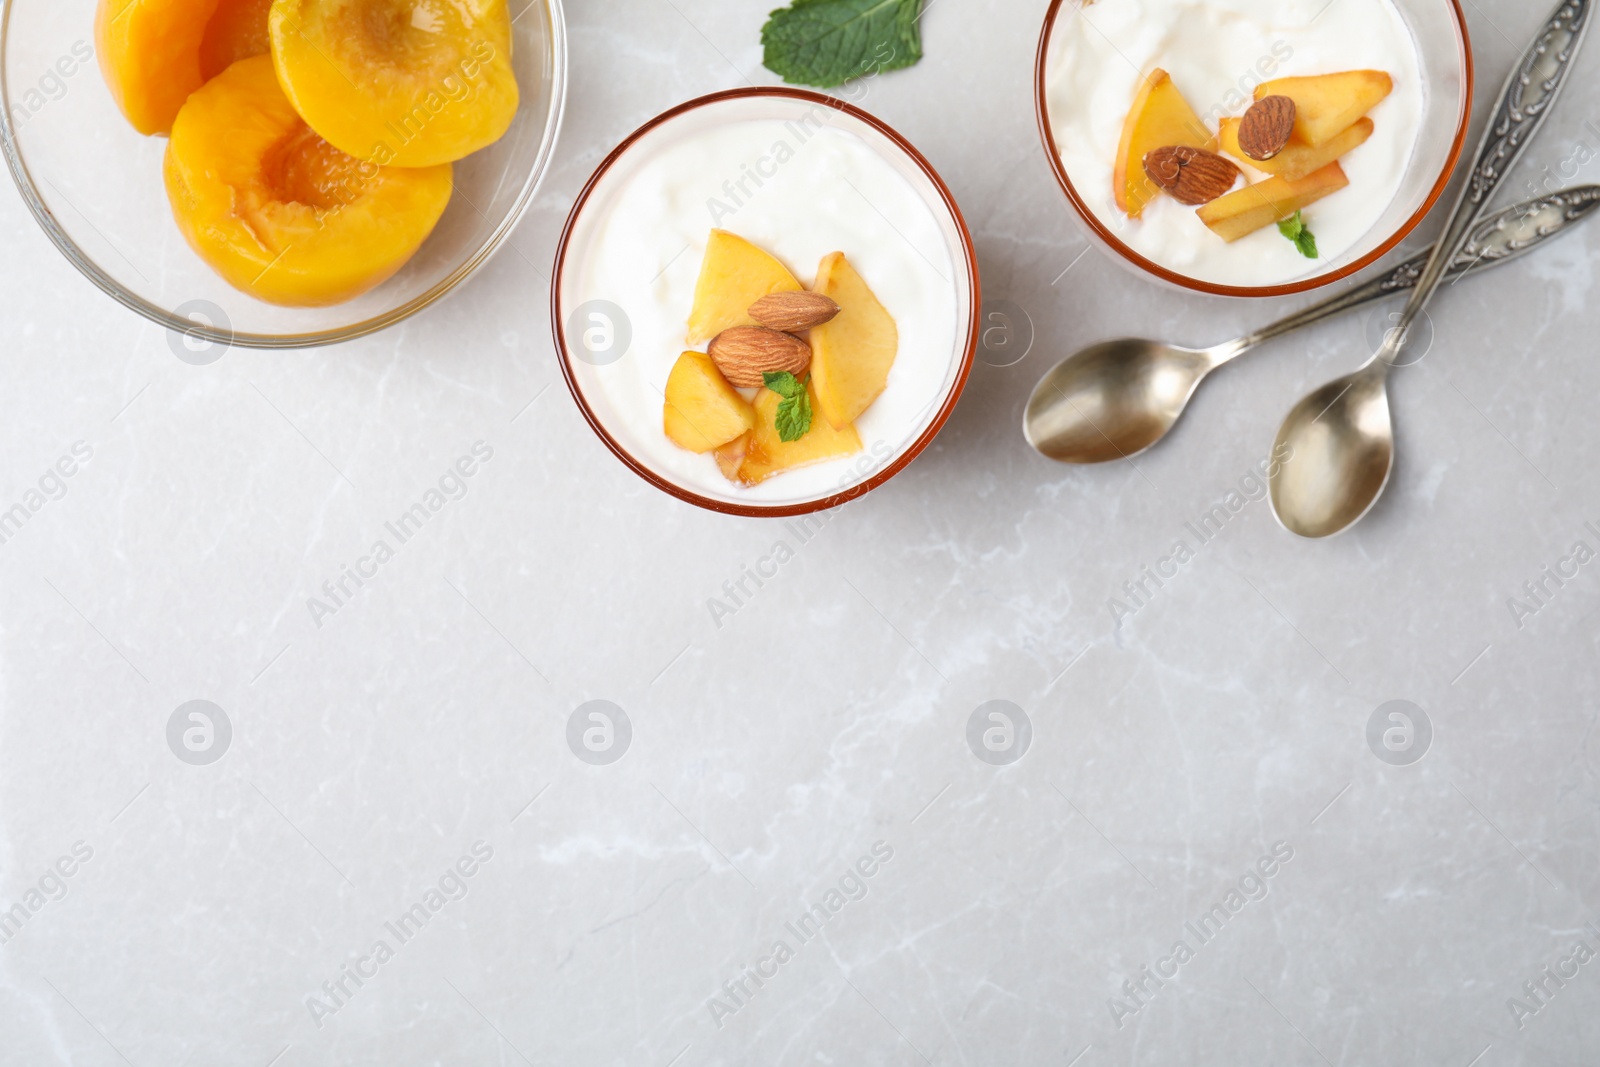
744 353
1266 128
1190 175
794 311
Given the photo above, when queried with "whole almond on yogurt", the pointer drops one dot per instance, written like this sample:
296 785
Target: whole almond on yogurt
793 311
1266 128
1190 176
744 353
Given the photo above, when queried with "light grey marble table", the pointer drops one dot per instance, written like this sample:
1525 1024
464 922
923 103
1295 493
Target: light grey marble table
1198 768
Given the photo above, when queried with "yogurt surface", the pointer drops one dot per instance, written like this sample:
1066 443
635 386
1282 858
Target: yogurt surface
799 190
1217 52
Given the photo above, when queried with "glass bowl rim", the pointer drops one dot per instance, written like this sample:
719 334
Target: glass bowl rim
889 470
23 178
1302 285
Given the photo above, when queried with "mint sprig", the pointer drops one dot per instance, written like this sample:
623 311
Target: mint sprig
826 43
1295 230
794 410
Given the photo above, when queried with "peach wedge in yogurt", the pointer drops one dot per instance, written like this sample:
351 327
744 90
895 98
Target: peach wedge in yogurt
786 371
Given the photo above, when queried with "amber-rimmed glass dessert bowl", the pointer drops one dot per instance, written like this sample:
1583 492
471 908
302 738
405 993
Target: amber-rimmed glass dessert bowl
1353 116
766 302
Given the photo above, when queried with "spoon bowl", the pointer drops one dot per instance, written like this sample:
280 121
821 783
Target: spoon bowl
1336 451
1112 400
1340 439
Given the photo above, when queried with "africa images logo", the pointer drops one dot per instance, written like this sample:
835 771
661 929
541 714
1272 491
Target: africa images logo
852 886
1253 887
452 886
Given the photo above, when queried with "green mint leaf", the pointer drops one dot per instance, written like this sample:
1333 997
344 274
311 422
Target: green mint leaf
1295 230
784 384
826 43
794 417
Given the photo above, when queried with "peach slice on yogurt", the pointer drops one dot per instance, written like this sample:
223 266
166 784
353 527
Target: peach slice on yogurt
766 453
730 457
1328 104
1160 118
1255 207
702 411
1298 159
734 274
852 353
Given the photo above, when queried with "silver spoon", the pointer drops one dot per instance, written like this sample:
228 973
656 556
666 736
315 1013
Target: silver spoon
1338 442
1118 398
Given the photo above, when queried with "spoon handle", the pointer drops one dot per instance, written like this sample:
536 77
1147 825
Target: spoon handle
1506 235
1525 102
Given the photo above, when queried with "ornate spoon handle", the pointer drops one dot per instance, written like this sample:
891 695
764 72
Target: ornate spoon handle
1506 235
1525 102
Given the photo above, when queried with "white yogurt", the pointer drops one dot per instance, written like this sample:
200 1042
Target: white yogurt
800 192
1217 52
